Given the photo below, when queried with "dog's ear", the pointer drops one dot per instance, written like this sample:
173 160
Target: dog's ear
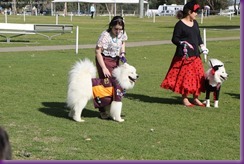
125 65
213 71
215 68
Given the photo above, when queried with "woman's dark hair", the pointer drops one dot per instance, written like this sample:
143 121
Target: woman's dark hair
117 20
5 148
189 6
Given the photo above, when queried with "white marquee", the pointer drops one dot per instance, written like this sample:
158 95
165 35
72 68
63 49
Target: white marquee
101 1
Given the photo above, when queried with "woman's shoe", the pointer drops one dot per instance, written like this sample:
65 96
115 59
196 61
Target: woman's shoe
186 103
104 115
198 104
190 105
202 105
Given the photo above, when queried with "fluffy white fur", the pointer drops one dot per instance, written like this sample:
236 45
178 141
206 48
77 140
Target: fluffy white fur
215 79
80 88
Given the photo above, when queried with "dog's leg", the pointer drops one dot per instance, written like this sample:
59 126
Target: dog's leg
216 103
77 110
115 111
216 97
71 113
207 98
107 110
208 103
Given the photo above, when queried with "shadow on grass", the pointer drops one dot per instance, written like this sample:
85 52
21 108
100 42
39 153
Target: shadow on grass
59 109
149 99
220 27
227 27
16 41
234 95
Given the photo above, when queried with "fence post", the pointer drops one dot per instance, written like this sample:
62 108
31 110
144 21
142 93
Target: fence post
77 40
205 43
202 17
56 18
6 17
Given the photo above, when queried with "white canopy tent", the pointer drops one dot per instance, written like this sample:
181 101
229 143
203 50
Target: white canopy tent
97 1
100 1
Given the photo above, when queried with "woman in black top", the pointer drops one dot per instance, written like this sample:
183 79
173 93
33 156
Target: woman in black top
186 73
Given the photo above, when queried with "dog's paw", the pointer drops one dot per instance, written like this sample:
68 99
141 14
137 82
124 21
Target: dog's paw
207 103
71 113
216 104
119 120
78 119
104 115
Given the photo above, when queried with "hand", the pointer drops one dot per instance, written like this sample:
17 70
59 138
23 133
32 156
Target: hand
187 44
204 50
106 72
123 59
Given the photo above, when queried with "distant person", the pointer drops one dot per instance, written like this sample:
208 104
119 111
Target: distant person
1 9
186 73
34 11
9 11
92 10
5 148
207 10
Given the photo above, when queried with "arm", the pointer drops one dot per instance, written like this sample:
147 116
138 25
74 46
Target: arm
98 52
199 34
123 47
176 38
203 48
124 38
122 53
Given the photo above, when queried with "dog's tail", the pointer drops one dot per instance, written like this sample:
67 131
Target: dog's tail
81 68
80 84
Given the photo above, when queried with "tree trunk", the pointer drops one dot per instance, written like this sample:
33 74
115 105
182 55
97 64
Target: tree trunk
14 7
235 7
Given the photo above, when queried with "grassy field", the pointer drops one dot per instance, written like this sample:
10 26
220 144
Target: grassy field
137 29
33 90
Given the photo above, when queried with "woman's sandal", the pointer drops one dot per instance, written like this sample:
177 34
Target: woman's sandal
197 104
190 105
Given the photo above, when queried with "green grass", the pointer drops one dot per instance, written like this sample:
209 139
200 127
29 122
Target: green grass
137 29
33 90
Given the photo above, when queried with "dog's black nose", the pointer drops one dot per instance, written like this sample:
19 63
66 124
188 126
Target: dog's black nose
137 76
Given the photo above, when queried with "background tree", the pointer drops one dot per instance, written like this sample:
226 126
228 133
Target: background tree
214 4
235 9
153 4
217 4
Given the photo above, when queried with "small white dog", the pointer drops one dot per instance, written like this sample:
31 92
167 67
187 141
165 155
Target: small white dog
214 76
83 86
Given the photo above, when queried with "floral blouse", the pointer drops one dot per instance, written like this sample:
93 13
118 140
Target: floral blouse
111 46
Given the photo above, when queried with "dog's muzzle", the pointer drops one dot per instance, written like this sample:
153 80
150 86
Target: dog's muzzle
223 78
133 79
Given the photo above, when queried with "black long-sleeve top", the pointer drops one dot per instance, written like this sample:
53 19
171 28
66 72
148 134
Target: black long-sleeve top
182 32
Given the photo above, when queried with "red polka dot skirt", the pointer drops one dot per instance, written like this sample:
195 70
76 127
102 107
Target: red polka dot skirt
185 76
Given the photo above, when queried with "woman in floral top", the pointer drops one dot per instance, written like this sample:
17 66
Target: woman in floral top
110 49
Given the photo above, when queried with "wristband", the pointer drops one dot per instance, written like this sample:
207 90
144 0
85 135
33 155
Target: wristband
123 53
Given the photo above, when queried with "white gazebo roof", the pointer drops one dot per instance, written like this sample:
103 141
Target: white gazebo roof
101 1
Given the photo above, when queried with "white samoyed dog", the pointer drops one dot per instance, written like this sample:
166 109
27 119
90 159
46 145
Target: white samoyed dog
214 76
81 89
